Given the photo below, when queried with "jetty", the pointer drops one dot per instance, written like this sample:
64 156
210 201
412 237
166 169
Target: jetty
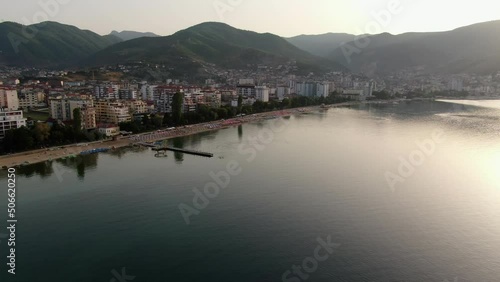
145 144
186 151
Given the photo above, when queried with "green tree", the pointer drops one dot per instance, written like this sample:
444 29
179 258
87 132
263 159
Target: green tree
240 103
42 132
23 139
222 113
285 103
157 121
77 120
177 103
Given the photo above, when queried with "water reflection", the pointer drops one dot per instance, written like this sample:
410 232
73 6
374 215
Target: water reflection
80 164
178 143
240 132
46 169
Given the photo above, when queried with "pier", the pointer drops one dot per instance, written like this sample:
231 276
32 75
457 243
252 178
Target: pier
186 151
145 144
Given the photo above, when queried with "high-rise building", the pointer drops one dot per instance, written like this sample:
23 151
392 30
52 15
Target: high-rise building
9 99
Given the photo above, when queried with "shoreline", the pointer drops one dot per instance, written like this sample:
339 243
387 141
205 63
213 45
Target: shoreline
61 152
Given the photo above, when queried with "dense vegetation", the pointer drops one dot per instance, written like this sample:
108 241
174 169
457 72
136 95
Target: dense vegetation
470 49
42 135
207 114
215 43
48 43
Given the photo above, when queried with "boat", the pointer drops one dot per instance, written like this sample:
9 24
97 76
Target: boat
94 151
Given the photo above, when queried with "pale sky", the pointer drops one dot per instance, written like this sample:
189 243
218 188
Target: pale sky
281 17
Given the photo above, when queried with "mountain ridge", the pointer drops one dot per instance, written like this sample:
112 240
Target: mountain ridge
213 43
48 44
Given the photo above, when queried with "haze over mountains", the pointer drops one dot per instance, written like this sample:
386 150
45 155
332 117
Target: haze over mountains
322 44
129 35
471 49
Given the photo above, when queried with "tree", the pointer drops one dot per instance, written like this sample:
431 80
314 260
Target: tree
77 120
42 132
381 95
157 121
285 103
145 120
222 113
240 103
177 103
23 139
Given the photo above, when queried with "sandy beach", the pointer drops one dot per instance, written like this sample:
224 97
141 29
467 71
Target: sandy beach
43 155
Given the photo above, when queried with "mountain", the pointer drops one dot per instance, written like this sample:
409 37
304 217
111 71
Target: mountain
129 35
211 43
322 44
470 49
48 44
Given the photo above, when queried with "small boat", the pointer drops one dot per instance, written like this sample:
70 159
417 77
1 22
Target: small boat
94 151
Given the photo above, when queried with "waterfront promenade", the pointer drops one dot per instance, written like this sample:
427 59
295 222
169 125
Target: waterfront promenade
43 155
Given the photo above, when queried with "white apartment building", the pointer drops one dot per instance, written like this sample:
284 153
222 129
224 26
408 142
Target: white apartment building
147 92
9 99
322 90
262 93
10 120
282 92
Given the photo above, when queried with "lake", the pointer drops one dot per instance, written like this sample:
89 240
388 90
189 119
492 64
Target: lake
377 192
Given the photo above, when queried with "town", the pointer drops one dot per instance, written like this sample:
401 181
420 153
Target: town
109 108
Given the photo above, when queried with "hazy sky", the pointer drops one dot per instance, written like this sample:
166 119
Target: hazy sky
282 17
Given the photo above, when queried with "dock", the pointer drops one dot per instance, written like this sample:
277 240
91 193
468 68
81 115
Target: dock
145 144
186 151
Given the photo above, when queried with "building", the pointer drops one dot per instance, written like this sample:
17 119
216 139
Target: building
31 99
108 130
322 90
355 95
228 95
8 99
107 91
88 117
246 81
246 90
212 98
113 112
164 95
61 108
10 120
282 92
313 89
127 94
137 106
262 93
147 92
307 89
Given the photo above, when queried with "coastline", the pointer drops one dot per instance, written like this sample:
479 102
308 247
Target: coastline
50 154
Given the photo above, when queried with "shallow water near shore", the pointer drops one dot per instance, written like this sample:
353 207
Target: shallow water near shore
323 175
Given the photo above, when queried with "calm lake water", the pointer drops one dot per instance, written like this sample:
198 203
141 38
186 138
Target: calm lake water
323 175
